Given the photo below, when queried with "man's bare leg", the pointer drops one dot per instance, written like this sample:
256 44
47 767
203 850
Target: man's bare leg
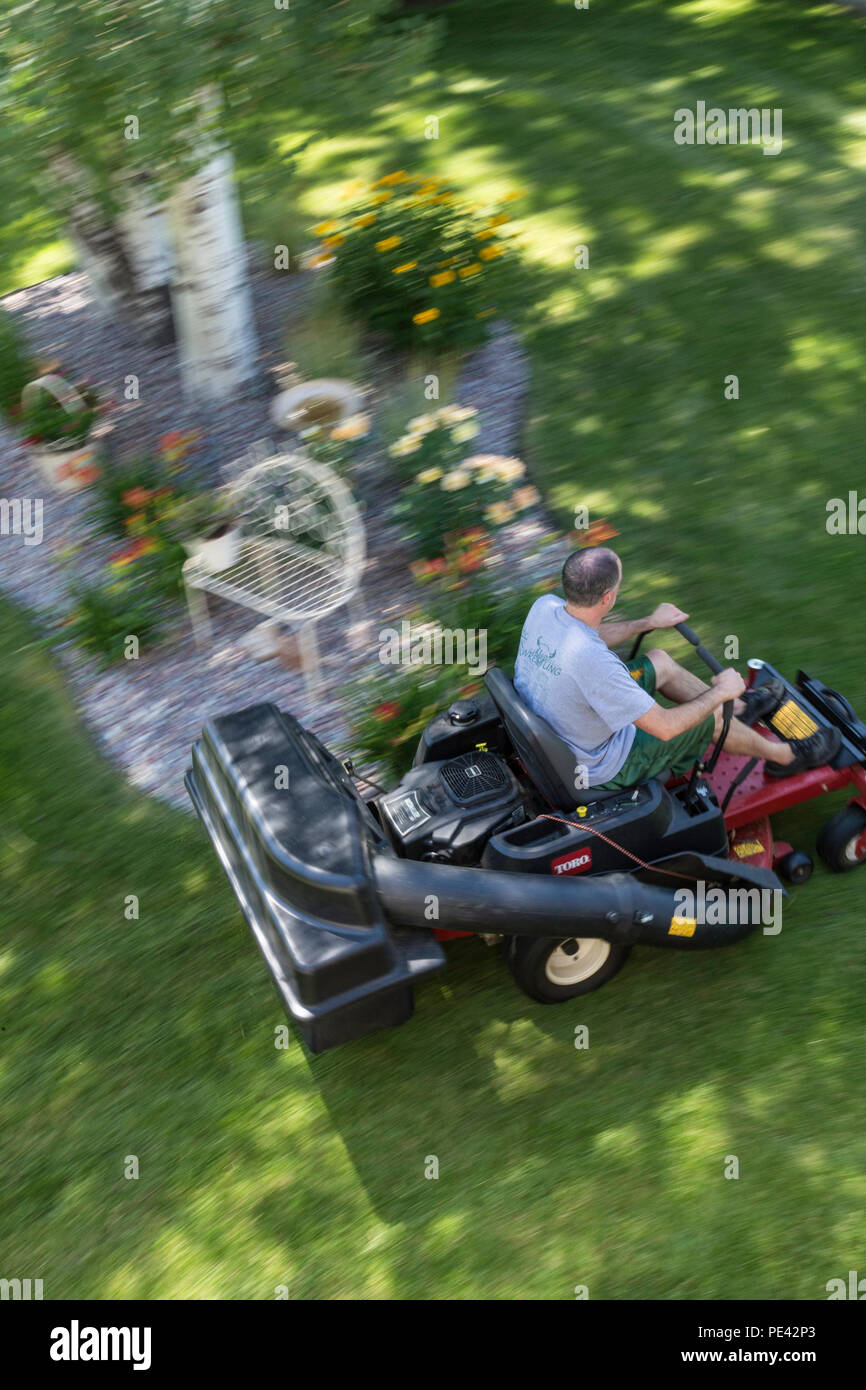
677 684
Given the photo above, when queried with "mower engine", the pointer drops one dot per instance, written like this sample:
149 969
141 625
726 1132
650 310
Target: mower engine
446 811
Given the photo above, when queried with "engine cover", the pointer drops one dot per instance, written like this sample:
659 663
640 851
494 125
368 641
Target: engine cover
447 811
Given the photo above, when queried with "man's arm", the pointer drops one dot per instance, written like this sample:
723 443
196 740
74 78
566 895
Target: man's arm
665 723
666 615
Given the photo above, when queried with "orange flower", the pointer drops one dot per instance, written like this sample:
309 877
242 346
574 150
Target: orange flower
596 534
387 710
136 497
131 552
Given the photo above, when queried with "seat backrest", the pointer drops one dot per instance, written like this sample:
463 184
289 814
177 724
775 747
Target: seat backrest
548 760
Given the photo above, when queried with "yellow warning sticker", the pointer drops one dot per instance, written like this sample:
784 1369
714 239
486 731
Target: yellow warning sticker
682 926
793 722
746 848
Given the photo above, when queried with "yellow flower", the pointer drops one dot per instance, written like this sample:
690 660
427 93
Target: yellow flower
454 481
334 240
408 444
353 427
499 219
484 234
519 193
322 259
465 271
388 243
443 278
498 513
325 227
442 198
426 316
450 261
401 269
382 197
489 253
366 221
430 475
399 177
485 313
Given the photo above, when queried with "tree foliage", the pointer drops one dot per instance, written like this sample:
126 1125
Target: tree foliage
77 75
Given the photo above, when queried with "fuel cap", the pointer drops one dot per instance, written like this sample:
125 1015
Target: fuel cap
463 712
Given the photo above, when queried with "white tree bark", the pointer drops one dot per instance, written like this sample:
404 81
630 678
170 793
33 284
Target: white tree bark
104 256
210 292
144 227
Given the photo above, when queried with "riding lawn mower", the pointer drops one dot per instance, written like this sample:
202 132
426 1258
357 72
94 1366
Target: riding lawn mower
349 896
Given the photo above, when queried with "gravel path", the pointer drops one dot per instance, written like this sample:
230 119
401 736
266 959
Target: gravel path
145 714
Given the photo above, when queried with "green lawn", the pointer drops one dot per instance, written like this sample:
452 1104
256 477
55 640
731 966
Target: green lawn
557 1167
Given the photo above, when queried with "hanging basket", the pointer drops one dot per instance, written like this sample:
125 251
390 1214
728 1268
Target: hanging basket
65 468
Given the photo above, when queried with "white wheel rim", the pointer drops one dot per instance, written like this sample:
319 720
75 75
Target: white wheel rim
566 967
851 855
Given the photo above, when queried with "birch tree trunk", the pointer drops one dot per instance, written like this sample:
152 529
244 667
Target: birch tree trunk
210 291
105 258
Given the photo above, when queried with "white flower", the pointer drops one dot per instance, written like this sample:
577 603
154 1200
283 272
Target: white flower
452 414
452 482
422 424
409 444
462 433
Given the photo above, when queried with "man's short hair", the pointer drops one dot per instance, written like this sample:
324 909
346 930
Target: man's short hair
588 574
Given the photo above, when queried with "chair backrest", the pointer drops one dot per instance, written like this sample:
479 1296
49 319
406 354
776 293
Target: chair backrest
548 760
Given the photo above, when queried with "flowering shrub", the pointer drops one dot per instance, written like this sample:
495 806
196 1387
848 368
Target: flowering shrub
436 440
415 264
452 497
463 597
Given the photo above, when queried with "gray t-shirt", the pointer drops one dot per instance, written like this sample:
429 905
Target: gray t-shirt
565 673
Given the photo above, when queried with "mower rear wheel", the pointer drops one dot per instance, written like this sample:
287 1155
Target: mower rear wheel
840 837
552 969
796 866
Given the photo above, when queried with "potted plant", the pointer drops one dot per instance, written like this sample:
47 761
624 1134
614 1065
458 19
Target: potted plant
56 418
206 527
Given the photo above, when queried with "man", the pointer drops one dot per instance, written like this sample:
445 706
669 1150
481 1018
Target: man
606 712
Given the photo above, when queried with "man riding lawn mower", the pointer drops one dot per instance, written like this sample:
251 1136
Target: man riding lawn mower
566 672
563 815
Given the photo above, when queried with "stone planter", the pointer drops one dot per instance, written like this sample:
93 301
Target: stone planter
326 401
65 468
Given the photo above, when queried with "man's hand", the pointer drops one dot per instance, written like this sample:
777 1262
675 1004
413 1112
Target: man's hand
666 615
729 683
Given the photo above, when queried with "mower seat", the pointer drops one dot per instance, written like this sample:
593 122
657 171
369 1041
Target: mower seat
547 758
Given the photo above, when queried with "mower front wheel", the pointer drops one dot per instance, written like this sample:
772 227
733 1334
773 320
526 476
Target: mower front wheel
552 969
841 843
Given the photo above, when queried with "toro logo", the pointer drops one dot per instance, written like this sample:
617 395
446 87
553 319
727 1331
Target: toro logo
575 863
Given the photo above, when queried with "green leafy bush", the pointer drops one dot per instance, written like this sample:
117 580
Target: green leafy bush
123 605
414 264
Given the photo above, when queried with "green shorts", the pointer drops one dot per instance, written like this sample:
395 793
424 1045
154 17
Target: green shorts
648 756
